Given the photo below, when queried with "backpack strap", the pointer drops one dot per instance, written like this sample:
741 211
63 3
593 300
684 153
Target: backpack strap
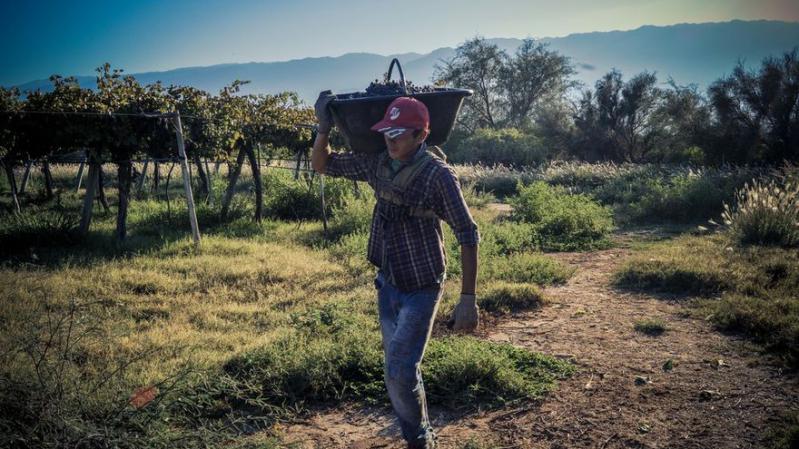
389 187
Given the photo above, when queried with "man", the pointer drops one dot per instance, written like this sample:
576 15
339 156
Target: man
415 190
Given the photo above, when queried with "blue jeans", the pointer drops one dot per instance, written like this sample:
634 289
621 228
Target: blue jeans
406 320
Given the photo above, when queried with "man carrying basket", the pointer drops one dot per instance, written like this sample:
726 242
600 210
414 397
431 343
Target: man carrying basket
415 190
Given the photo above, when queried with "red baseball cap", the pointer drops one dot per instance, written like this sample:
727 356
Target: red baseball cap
402 115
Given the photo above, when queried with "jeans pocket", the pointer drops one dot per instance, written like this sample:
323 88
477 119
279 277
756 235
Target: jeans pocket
379 281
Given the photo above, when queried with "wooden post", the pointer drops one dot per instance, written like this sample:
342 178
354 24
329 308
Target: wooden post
201 173
12 184
101 188
210 198
124 169
184 167
297 168
233 177
256 176
79 178
25 176
48 179
88 199
156 177
142 177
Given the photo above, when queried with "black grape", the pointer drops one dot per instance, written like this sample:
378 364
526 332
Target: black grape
386 88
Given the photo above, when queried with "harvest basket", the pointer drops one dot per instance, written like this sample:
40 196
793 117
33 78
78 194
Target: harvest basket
354 114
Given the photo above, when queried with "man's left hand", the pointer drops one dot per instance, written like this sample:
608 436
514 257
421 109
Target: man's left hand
466 315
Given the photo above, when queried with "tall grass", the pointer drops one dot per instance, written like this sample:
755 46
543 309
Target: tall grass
638 193
765 214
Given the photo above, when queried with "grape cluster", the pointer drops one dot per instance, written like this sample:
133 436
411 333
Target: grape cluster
377 89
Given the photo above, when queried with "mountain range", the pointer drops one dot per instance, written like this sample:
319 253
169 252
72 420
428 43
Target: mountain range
687 53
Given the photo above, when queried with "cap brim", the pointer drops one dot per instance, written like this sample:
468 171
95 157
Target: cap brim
392 132
382 124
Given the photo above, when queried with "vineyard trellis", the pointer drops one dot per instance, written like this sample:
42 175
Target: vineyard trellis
122 122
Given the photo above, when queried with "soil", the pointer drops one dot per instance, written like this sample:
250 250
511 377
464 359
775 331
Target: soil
721 392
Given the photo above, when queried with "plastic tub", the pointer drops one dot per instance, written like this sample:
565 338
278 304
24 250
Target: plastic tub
354 114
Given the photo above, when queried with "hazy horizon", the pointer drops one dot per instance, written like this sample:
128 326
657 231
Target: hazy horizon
148 36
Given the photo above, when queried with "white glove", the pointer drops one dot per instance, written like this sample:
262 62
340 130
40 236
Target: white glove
465 316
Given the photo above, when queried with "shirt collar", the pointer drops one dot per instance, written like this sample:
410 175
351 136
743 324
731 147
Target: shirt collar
419 153
397 164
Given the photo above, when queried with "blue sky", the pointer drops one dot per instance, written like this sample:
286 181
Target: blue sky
39 38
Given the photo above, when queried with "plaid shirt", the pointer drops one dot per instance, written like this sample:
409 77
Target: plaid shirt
413 248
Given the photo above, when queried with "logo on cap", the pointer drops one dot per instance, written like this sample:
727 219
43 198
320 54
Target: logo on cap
395 113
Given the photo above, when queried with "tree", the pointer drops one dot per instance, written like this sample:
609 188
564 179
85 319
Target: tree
616 120
477 66
507 89
533 75
757 112
684 117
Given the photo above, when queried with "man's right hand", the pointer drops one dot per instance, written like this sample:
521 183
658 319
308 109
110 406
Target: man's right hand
323 114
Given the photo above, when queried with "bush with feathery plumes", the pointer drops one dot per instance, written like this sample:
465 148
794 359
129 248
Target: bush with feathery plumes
765 214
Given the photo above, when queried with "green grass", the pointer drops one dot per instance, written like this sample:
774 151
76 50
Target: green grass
562 221
637 193
528 268
785 435
747 289
504 297
260 322
463 372
653 327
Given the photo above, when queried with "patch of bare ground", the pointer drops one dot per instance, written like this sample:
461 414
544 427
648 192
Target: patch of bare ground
719 393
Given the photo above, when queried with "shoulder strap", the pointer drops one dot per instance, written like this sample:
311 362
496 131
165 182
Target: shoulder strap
436 151
388 188
405 177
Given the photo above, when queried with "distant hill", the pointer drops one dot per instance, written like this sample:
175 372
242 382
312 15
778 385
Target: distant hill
688 53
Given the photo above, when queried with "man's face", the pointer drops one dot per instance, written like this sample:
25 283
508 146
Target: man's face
402 147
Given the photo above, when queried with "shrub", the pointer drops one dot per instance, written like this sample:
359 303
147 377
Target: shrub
651 327
464 372
287 199
36 228
581 177
352 215
563 221
526 267
772 320
476 197
671 276
509 146
63 385
765 214
350 251
504 297
500 180
508 237
651 193
301 368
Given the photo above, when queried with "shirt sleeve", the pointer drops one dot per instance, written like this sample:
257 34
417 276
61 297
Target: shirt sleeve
350 165
448 203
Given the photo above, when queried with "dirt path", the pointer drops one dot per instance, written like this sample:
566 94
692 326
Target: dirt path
719 394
